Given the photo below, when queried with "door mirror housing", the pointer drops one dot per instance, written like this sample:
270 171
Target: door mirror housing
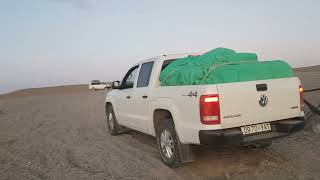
116 85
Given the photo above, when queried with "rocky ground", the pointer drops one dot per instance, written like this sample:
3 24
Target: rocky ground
60 133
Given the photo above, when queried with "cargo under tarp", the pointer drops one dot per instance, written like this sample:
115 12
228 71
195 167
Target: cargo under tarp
222 65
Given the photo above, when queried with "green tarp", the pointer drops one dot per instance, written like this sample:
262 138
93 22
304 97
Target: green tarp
222 65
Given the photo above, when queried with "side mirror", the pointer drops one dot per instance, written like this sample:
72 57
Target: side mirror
116 85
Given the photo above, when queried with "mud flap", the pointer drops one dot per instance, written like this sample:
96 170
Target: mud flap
186 153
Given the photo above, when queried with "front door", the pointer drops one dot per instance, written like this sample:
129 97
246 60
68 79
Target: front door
124 111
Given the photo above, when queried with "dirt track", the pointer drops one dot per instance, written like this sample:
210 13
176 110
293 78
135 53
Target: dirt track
60 133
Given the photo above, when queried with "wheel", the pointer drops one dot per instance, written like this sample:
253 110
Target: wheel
168 144
113 125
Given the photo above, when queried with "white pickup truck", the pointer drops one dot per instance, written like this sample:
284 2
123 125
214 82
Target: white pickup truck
218 115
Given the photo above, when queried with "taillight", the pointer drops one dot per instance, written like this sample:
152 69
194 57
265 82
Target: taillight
301 98
210 109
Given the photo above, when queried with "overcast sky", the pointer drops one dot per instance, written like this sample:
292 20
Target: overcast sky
56 42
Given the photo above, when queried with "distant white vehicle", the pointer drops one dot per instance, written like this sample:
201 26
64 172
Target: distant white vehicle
97 85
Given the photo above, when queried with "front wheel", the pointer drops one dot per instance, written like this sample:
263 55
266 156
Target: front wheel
112 122
168 144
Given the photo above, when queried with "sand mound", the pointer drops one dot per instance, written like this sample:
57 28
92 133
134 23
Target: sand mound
46 91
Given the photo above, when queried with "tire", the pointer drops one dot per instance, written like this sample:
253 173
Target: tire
112 123
168 144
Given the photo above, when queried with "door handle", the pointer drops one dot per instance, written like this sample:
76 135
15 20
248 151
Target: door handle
128 97
145 96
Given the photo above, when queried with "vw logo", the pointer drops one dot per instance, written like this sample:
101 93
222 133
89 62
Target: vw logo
263 100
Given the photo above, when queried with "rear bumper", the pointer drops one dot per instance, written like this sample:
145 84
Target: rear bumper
234 136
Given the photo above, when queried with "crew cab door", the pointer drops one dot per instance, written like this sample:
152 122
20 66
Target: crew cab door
124 100
141 98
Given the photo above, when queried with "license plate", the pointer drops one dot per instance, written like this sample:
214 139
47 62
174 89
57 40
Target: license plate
256 128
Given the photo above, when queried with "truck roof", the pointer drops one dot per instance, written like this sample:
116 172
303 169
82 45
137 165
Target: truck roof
169 56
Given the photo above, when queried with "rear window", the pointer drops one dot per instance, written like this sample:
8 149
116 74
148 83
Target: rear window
166 63
144 75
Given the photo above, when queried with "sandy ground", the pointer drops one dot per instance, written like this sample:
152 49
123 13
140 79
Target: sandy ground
60 133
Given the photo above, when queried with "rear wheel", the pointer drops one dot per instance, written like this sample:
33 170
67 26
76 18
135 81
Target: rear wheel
168 144
112 122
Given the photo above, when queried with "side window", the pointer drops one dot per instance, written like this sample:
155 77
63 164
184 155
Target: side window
129 78
144 75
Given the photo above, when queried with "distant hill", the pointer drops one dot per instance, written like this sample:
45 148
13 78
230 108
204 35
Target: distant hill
308 69
71 89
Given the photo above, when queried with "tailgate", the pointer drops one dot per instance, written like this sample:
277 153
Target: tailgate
255 102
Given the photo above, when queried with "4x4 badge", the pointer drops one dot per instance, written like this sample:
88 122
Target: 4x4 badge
195 94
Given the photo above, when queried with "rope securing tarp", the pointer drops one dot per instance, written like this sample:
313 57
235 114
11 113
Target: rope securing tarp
222 65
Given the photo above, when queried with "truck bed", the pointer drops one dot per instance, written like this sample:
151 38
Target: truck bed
239 103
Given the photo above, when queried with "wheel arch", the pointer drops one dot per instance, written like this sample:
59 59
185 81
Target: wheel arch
110 103
185 150
163 108
159 115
